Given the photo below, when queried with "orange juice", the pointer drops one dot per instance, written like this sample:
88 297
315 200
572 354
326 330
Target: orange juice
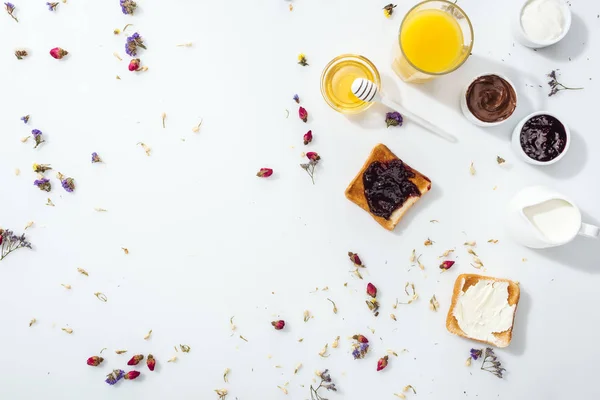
432 40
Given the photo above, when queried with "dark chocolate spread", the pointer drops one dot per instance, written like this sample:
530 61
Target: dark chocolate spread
491 98
543 138
388 186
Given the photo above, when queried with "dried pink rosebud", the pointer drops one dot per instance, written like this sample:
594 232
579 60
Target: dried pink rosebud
382 363
303 114
264 172
371 290
135 360
134 64
313 156
94 361
278 325
360 338
132 375
355 259
446 265
58 53
151 362
307 137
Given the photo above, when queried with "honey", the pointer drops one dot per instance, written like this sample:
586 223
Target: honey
337 79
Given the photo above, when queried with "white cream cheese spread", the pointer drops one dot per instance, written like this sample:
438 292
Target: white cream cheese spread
483 310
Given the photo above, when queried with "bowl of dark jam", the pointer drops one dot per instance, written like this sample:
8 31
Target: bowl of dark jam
541 138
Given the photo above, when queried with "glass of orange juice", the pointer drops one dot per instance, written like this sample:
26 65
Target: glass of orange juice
435 38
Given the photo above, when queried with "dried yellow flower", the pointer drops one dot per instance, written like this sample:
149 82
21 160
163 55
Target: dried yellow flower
225 378
120 351
147 336
297 368
82 271
494 241
125 250
118 57
172 359
196 129
433 304
336 342
323 352
146 148
68 330
65 285
33 321
306 315
185 348
428 242
28 225
222 393
468 362
409 387
472 169
116 31
392 316
49 202
283 389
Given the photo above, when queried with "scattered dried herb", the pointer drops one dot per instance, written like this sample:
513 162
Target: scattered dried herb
82 271
128 7
222 393
10 242
185 348
52 5
148 335
323 352
66 286
196 129
146 148
414 296
58 53
556 86
433 303
25 118
172 359
494 241
21 54
225 378
231 324
37 137
243 338
298 366
326 383
302 61
151 362
43 184
10 10
389 10
264 172
115 376
500 160
125 250
41 168
313 160
101 296
490 361
49 202
434 221
283 389
336 342
308 137
94 361
68 330
472 244
188 44
132 44
393 119
382 363
163 116
335 309
120 351
409 387
306 315
392 316
360 347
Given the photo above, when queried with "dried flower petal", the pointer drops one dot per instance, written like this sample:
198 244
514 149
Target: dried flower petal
146 148
323 352
382 363
306 315
433 303
33 321
303 114
264 172
400 395
336 342
371 290
68 330
446 265
94 361
147 335
472 168
163 116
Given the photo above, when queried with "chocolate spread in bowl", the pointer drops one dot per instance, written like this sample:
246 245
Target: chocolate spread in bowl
543 138
388 186
491 98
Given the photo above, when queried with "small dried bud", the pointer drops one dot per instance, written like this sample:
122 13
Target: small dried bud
313 156
94 361
446 265
468 362
382 363
58 53
360 339
134 64
151 362
278 325
355 259
308 137
371 290
264 172
135 360
132 375
303 114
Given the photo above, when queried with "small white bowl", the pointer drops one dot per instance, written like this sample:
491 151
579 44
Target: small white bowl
526 41
516 139
469 115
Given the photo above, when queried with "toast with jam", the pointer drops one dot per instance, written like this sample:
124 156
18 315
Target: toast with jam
386 187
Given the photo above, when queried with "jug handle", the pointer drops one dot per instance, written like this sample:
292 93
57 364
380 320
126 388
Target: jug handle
588 230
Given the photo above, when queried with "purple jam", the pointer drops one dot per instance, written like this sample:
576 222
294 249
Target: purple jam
388 186
543 138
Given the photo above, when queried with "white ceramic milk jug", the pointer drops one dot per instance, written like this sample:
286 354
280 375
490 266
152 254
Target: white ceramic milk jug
539 217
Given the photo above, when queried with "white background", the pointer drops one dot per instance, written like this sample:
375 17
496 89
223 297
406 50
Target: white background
208 240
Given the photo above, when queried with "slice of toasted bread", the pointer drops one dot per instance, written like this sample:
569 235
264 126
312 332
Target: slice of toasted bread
356 190
463 282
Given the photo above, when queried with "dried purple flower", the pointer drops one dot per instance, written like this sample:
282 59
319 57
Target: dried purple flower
43 184
128 6
133 42
68 184
52 6
115 376
556 86
360 347
491 364
393 119
96 158
296 98
325 383
37 137
309 167
10 9
25 119
476 353
10 242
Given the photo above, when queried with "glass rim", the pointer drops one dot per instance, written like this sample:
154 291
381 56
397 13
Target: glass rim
470 29
331 63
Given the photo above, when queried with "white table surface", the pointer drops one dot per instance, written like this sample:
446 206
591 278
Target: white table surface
208 240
